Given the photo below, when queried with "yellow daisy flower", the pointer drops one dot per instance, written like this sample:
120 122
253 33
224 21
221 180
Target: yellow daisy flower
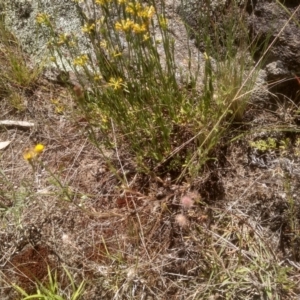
28 155
39 148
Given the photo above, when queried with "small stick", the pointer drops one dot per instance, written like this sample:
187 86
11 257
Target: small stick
23 124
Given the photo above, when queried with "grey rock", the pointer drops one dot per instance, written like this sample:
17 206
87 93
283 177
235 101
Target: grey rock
277 69
269 20
266 21
260 94
20 18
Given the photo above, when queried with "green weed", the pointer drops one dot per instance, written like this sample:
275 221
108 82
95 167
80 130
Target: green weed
52 290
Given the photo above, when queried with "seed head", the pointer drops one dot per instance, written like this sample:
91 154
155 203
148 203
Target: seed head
186 202
182 220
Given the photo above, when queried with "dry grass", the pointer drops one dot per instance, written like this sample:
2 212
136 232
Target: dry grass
233 242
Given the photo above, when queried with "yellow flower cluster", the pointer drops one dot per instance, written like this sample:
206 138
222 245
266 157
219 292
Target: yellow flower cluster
80 60
141 15
137 28
133 8
42 19
62 39
29 155
129 25
147 12
140 11
124 25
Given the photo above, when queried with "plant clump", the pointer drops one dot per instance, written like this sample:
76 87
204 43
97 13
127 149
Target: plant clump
131 87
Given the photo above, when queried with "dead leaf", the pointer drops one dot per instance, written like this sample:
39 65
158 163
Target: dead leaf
3 145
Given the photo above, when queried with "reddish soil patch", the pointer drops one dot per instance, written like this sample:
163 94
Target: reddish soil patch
30 266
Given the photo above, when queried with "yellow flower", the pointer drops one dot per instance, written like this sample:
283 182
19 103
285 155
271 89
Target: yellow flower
62 39
137 28
42 18
103 44
39 148
115 83
97 77
122 1
88 28
146 37
59 109
163 22
28 155
116 53
31 154
124 25
133 8
150 11
147 12
80 60
72 44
